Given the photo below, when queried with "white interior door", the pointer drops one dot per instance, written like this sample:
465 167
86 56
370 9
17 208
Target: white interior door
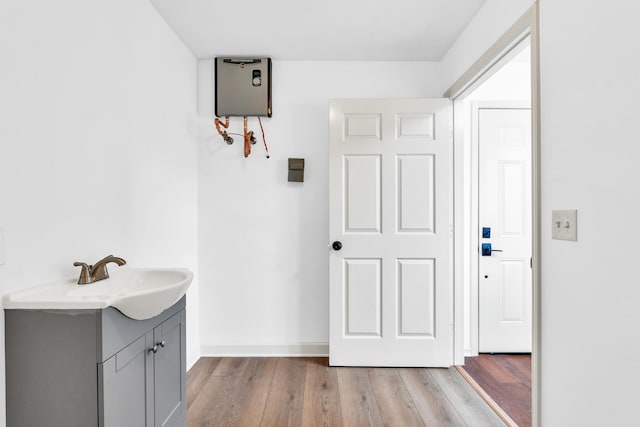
504 202
391 298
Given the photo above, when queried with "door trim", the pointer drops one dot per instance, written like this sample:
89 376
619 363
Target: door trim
485 66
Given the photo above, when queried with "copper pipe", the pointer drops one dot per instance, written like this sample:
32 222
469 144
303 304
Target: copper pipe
222 133
219 123
247 139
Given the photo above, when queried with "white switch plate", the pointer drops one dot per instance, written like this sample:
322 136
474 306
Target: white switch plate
1 245
564 224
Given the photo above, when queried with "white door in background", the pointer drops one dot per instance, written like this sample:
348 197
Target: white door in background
504 202
390 210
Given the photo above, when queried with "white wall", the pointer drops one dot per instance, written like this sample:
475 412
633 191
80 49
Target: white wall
96 139
263 241
493 19
589 90
590 151
96 155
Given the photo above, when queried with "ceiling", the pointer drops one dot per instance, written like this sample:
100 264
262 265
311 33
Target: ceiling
327 30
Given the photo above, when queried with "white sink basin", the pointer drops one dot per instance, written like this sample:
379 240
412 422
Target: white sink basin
139 293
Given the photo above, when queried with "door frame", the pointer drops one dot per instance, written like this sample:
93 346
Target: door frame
483 68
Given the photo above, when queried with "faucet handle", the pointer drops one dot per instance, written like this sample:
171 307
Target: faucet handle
85 273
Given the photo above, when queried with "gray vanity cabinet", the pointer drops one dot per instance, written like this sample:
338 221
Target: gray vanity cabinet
95 368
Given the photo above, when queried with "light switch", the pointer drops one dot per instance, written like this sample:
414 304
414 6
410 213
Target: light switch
564 224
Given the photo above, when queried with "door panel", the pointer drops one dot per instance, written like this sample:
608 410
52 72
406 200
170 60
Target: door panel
512 198
390 206
512 291
410 126
363 207
363 297
361 127
416 202
416 304
505 282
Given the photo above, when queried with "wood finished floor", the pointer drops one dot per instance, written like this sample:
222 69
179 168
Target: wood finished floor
306 392
507 379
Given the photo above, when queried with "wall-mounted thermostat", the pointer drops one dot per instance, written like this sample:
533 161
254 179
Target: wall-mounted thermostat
243 87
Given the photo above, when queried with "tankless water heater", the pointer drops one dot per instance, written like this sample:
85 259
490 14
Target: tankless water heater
243 87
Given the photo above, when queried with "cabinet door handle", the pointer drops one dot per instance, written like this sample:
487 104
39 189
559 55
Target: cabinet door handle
155 347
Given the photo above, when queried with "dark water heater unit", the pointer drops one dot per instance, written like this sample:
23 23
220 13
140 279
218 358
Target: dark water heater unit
243 87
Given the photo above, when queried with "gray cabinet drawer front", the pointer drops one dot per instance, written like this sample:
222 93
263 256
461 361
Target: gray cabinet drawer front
118 331
129 353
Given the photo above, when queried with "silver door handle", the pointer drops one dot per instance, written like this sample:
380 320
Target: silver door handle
486 249
155 347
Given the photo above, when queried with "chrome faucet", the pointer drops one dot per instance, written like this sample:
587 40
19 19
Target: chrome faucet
97 271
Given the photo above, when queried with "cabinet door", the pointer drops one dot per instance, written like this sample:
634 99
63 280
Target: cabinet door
124 377
169 368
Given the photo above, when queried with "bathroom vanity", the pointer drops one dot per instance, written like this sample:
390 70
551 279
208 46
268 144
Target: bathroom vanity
95 367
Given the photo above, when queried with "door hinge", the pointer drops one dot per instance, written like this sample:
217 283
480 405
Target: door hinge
531 262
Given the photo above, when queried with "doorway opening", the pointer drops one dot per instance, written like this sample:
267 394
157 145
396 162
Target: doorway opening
482 94
498 296
499 302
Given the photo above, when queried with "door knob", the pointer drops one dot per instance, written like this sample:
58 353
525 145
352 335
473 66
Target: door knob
337 245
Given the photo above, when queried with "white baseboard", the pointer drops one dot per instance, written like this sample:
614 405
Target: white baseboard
191 360
280 350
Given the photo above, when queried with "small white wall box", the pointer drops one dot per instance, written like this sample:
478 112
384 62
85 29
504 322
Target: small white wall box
243 87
